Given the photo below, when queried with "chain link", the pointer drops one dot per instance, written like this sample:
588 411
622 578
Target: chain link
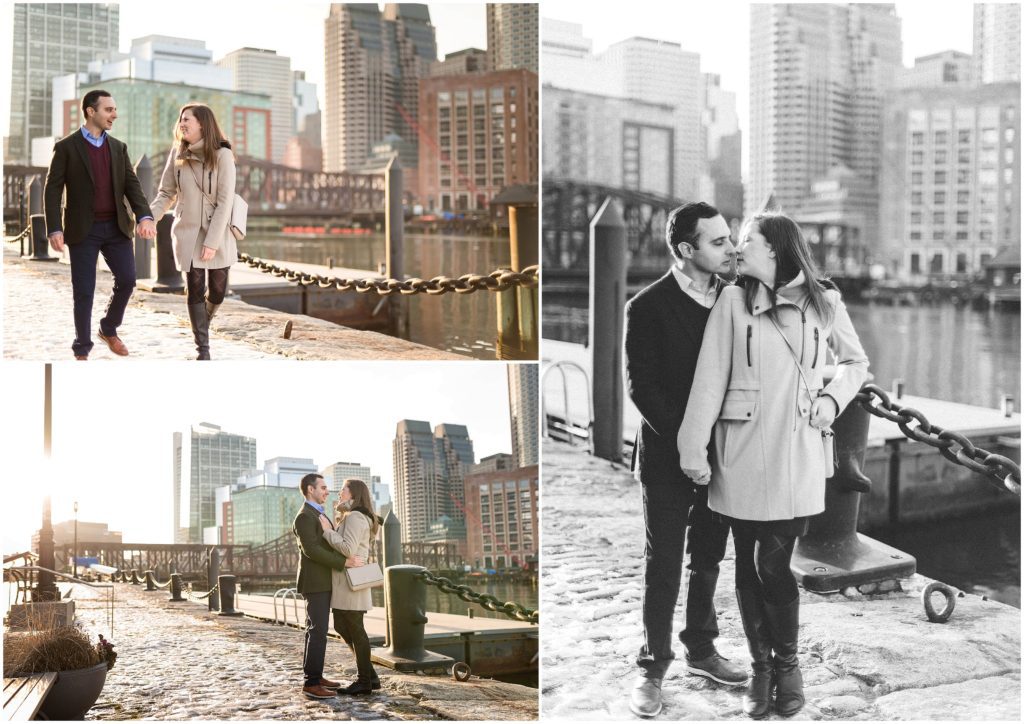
1003 471
498 280
489 602
19 237
197 597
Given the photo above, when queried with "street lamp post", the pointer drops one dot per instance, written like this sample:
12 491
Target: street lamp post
46 589
74 558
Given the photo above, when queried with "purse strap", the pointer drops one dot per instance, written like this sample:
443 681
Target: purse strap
792 353
200 184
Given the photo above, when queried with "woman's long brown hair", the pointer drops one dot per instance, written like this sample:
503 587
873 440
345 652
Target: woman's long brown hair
213 137
792 256
361 498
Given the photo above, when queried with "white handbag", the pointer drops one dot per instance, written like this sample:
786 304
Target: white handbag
362 577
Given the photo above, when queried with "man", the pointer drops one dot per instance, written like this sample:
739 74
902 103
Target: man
316 559
664 327
92 170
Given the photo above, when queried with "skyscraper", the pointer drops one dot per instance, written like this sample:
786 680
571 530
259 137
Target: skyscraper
512 35
204 461
818 74
373 63
51 40
429 472
523 412
256 70
996 42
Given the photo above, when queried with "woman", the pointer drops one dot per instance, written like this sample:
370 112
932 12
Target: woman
357 526
759 386
200 177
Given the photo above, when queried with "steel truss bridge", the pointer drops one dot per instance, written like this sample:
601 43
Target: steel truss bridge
271 190
277 559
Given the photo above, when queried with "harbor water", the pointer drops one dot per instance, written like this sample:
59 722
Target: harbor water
461 323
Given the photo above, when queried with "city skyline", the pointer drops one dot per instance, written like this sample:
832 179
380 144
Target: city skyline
112 455
458 26
723 40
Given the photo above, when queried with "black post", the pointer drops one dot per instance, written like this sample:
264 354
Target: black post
168 278
40 244
227 596
74 558
143 258
176 588
46 589
212 577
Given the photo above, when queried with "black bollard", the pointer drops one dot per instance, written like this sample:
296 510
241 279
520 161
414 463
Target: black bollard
607 321
391 535
143 247
212 577
833 555
150 583
406 596
176 588
168 278
394 235
40 244
135 577
227 596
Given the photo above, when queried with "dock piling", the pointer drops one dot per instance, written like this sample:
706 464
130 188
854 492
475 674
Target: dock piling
226 590
406 596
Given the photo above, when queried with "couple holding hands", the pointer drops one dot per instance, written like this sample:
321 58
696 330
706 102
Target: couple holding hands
92 192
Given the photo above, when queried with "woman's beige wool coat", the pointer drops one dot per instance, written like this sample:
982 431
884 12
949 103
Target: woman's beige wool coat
352 538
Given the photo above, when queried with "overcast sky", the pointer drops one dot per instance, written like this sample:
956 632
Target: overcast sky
295 29
113 425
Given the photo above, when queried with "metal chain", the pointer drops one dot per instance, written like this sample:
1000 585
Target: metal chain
19 237
1003 471
509 608
498 280
196 597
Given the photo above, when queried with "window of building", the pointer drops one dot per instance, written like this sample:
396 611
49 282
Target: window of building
962 218
940 156
963 175
1008 135
940 178
939 197
938 263
916 198
915 217
917 158
961 236
915 263
961 263
917 178
989 136
915 236
941 138
938 235
917 139
963 136
939 217
963 196
963 155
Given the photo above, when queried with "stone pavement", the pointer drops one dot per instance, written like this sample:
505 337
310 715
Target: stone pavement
38 325
864 657
177 661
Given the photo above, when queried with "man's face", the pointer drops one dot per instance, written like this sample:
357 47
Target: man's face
104 115
320 492
714 251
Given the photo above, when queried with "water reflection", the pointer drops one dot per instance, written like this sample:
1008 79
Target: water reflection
461 323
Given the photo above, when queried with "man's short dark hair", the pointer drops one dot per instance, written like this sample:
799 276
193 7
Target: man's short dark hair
309 481
682 225
92 100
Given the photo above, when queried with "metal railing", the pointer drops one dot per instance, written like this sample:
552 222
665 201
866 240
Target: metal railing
286 594
569 429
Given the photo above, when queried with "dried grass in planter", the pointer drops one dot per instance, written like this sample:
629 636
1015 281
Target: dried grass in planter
64 648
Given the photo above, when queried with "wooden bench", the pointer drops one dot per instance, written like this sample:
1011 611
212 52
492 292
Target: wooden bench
24 695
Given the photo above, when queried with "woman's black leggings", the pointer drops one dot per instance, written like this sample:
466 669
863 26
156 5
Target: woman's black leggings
349 625
762 564
196 283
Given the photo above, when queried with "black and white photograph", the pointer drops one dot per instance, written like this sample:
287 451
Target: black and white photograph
781 361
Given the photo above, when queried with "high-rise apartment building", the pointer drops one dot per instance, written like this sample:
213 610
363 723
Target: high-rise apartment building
373 64
336 473
205 459
722 148
468 60
512 35
483 131
996 42
950 193
49 40
501 519
524 415
430 469
256 70
818 74
950 67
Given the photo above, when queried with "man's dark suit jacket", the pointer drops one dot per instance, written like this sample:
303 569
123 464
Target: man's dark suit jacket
316 557
664 330
70 169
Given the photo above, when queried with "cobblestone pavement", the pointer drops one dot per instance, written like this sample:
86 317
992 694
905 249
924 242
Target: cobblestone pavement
180 662
864 657
38 325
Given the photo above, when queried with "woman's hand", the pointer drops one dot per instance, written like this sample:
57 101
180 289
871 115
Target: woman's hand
701 476
353 562
823 412
325 524
207 253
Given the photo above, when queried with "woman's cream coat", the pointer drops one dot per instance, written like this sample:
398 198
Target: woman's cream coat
199 221
352 538
767 462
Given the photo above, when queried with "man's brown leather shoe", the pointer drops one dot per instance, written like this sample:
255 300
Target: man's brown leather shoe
81 357
318 692
328 684
115 344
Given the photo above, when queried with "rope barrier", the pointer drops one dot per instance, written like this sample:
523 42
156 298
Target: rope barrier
197 597
498 280
15 239
491 603
997 469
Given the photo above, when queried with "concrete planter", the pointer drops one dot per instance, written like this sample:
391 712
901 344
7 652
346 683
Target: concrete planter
74 693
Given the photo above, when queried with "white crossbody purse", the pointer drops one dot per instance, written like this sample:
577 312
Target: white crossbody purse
239 209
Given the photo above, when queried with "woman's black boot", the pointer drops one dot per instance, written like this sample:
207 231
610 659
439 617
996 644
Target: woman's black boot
757 702
200 319
784 624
